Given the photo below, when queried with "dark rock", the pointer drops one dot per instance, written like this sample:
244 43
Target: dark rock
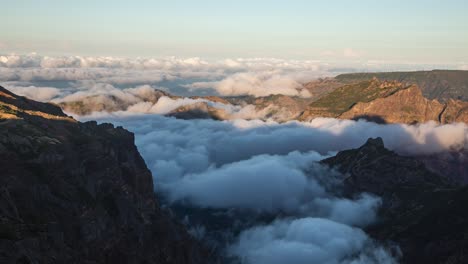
423 212
76 192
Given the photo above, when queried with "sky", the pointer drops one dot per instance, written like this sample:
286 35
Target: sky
415 31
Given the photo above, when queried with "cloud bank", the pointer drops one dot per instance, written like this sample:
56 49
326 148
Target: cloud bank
307 240
261 167
267 167
257 73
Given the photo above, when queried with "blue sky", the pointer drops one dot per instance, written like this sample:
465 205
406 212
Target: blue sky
404 31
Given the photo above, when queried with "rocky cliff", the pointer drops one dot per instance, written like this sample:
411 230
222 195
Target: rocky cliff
437 84
385 102
76 192
421 211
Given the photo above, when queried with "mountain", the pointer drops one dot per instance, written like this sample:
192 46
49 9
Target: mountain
85 105
437 84
381 99
385 102
75 192
423 212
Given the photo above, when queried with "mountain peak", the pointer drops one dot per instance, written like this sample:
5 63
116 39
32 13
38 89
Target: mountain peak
374 142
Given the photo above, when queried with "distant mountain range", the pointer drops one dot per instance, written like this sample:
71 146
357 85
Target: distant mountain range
401 97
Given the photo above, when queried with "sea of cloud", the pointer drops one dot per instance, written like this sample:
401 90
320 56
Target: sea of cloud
263 167
253 165
186 76
270 167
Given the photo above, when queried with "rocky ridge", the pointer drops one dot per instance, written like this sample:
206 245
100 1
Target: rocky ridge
76 192
422 211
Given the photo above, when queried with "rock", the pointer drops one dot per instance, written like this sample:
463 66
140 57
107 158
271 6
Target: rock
76 192
385 102
423 212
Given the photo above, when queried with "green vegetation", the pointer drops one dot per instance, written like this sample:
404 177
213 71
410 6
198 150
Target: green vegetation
436 84
7 110
345 97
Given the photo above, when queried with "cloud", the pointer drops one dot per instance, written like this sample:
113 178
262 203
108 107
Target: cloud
43 94
255 84
270 168
351 53
360 212
256 76
222 164
308 240
247 165
241 184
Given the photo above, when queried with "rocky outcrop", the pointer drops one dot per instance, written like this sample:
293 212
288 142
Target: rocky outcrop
385 102
199 110
76 192
405 106
421 211
437 84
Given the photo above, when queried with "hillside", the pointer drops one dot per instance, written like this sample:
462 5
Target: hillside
436 84
385 102
76 192
421 211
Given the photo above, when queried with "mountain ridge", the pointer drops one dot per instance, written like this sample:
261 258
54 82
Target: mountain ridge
79 193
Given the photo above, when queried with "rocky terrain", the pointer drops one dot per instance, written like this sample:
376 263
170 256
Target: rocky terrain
76 192
437 84
422 212
382 98
385 102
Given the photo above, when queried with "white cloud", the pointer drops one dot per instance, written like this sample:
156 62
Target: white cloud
255 84
308 240
43 94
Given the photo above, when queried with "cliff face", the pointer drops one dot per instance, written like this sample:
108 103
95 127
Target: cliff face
405 106
76 192
437 84
424 213
385 102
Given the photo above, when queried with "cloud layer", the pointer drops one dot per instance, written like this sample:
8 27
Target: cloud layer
257 77
272 168
256 167
307 240
261 167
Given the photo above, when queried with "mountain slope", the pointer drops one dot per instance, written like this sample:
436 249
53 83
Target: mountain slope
385 102
436 84
76 192
344 98
422 212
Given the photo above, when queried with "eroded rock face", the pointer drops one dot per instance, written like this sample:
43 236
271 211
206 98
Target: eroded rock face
405 106
76 192
422 212
385 102
437 84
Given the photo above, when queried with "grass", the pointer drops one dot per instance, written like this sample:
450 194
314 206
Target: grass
344 98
